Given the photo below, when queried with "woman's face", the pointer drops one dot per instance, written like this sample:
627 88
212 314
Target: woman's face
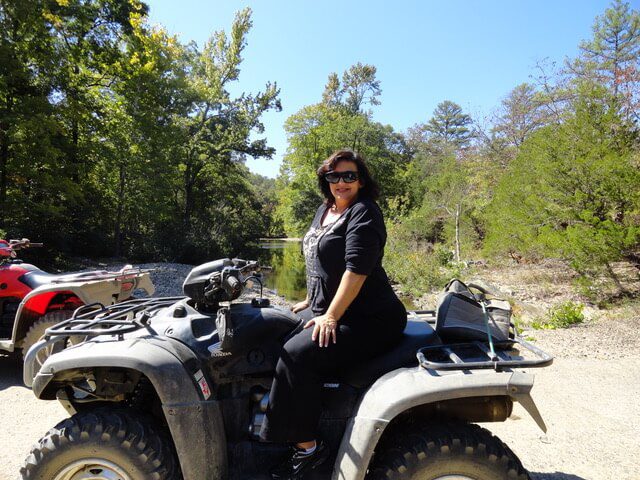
345 193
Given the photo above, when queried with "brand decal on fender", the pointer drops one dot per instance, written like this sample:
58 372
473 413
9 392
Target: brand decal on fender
216 351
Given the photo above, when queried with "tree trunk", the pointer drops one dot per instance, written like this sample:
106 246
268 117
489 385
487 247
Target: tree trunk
75 129
616 66
615 279
4 159
457 232
188 199
190 176
4 165
117 234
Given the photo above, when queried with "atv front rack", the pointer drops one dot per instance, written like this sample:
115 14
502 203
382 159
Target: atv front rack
96 319
477 355
92 320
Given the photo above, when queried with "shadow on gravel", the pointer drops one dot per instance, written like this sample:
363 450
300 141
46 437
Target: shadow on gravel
555 476
10 371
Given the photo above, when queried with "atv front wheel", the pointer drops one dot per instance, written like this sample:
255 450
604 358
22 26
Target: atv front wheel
101 445
38 329
450 451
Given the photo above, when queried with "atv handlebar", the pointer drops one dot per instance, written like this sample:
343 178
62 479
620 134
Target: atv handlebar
228 283
232 285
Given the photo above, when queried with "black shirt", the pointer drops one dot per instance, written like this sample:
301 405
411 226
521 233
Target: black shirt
354 242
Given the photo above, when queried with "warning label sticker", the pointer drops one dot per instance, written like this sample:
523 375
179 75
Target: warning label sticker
202 383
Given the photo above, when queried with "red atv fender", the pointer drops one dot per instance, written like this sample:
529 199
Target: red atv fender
106 288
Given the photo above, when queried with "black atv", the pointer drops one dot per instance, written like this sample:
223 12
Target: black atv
170 388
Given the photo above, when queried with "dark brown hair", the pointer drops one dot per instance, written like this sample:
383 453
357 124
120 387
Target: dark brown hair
369 186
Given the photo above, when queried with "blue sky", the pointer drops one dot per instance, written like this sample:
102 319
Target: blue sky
469 51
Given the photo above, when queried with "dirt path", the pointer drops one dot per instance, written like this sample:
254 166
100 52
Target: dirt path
24 418
592 413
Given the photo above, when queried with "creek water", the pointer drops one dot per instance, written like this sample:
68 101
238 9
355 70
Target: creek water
287 277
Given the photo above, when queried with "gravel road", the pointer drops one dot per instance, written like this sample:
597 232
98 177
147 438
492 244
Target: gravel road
588 398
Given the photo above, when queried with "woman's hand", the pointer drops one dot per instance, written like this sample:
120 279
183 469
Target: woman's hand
324 328
298 307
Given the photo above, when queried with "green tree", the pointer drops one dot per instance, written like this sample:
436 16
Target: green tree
332 95
121 136
27 127
360 87
521 113
59 56
142 117
218 129
572 190
266 194
449 125
612 56
89 38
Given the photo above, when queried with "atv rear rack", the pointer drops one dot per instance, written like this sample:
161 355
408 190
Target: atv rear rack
101 275
477 355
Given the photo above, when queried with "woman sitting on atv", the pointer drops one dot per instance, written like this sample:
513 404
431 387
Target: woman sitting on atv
352 312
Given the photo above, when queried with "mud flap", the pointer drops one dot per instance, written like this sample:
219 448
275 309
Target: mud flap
198 432
520 389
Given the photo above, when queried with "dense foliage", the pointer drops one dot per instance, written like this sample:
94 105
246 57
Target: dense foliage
116 139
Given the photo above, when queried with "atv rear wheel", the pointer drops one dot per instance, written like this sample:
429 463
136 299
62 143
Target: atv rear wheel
450 451
101 445
37 330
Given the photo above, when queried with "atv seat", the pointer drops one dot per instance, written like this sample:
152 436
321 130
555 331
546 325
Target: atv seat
37 278
417 334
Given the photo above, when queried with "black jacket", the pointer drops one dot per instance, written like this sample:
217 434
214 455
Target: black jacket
355 242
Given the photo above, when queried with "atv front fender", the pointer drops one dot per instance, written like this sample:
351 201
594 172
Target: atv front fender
195 423
405 388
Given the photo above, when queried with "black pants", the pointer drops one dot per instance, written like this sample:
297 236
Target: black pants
295 398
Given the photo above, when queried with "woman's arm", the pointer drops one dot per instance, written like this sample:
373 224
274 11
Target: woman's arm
324 326
350 285
304 304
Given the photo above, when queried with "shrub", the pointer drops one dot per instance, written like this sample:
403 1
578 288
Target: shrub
416 266
562 315
443 255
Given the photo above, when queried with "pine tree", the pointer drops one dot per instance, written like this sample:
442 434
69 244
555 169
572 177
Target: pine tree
449 125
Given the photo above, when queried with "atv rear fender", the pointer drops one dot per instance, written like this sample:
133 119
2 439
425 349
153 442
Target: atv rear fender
407 388
36 302
195 423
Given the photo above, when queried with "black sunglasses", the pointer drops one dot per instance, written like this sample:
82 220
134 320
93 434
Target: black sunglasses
347 177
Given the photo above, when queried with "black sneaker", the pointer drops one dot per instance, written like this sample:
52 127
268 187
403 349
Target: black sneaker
299 463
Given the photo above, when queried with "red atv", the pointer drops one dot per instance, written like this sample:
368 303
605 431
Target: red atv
32 300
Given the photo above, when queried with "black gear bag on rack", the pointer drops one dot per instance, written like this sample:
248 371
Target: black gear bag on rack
466 316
